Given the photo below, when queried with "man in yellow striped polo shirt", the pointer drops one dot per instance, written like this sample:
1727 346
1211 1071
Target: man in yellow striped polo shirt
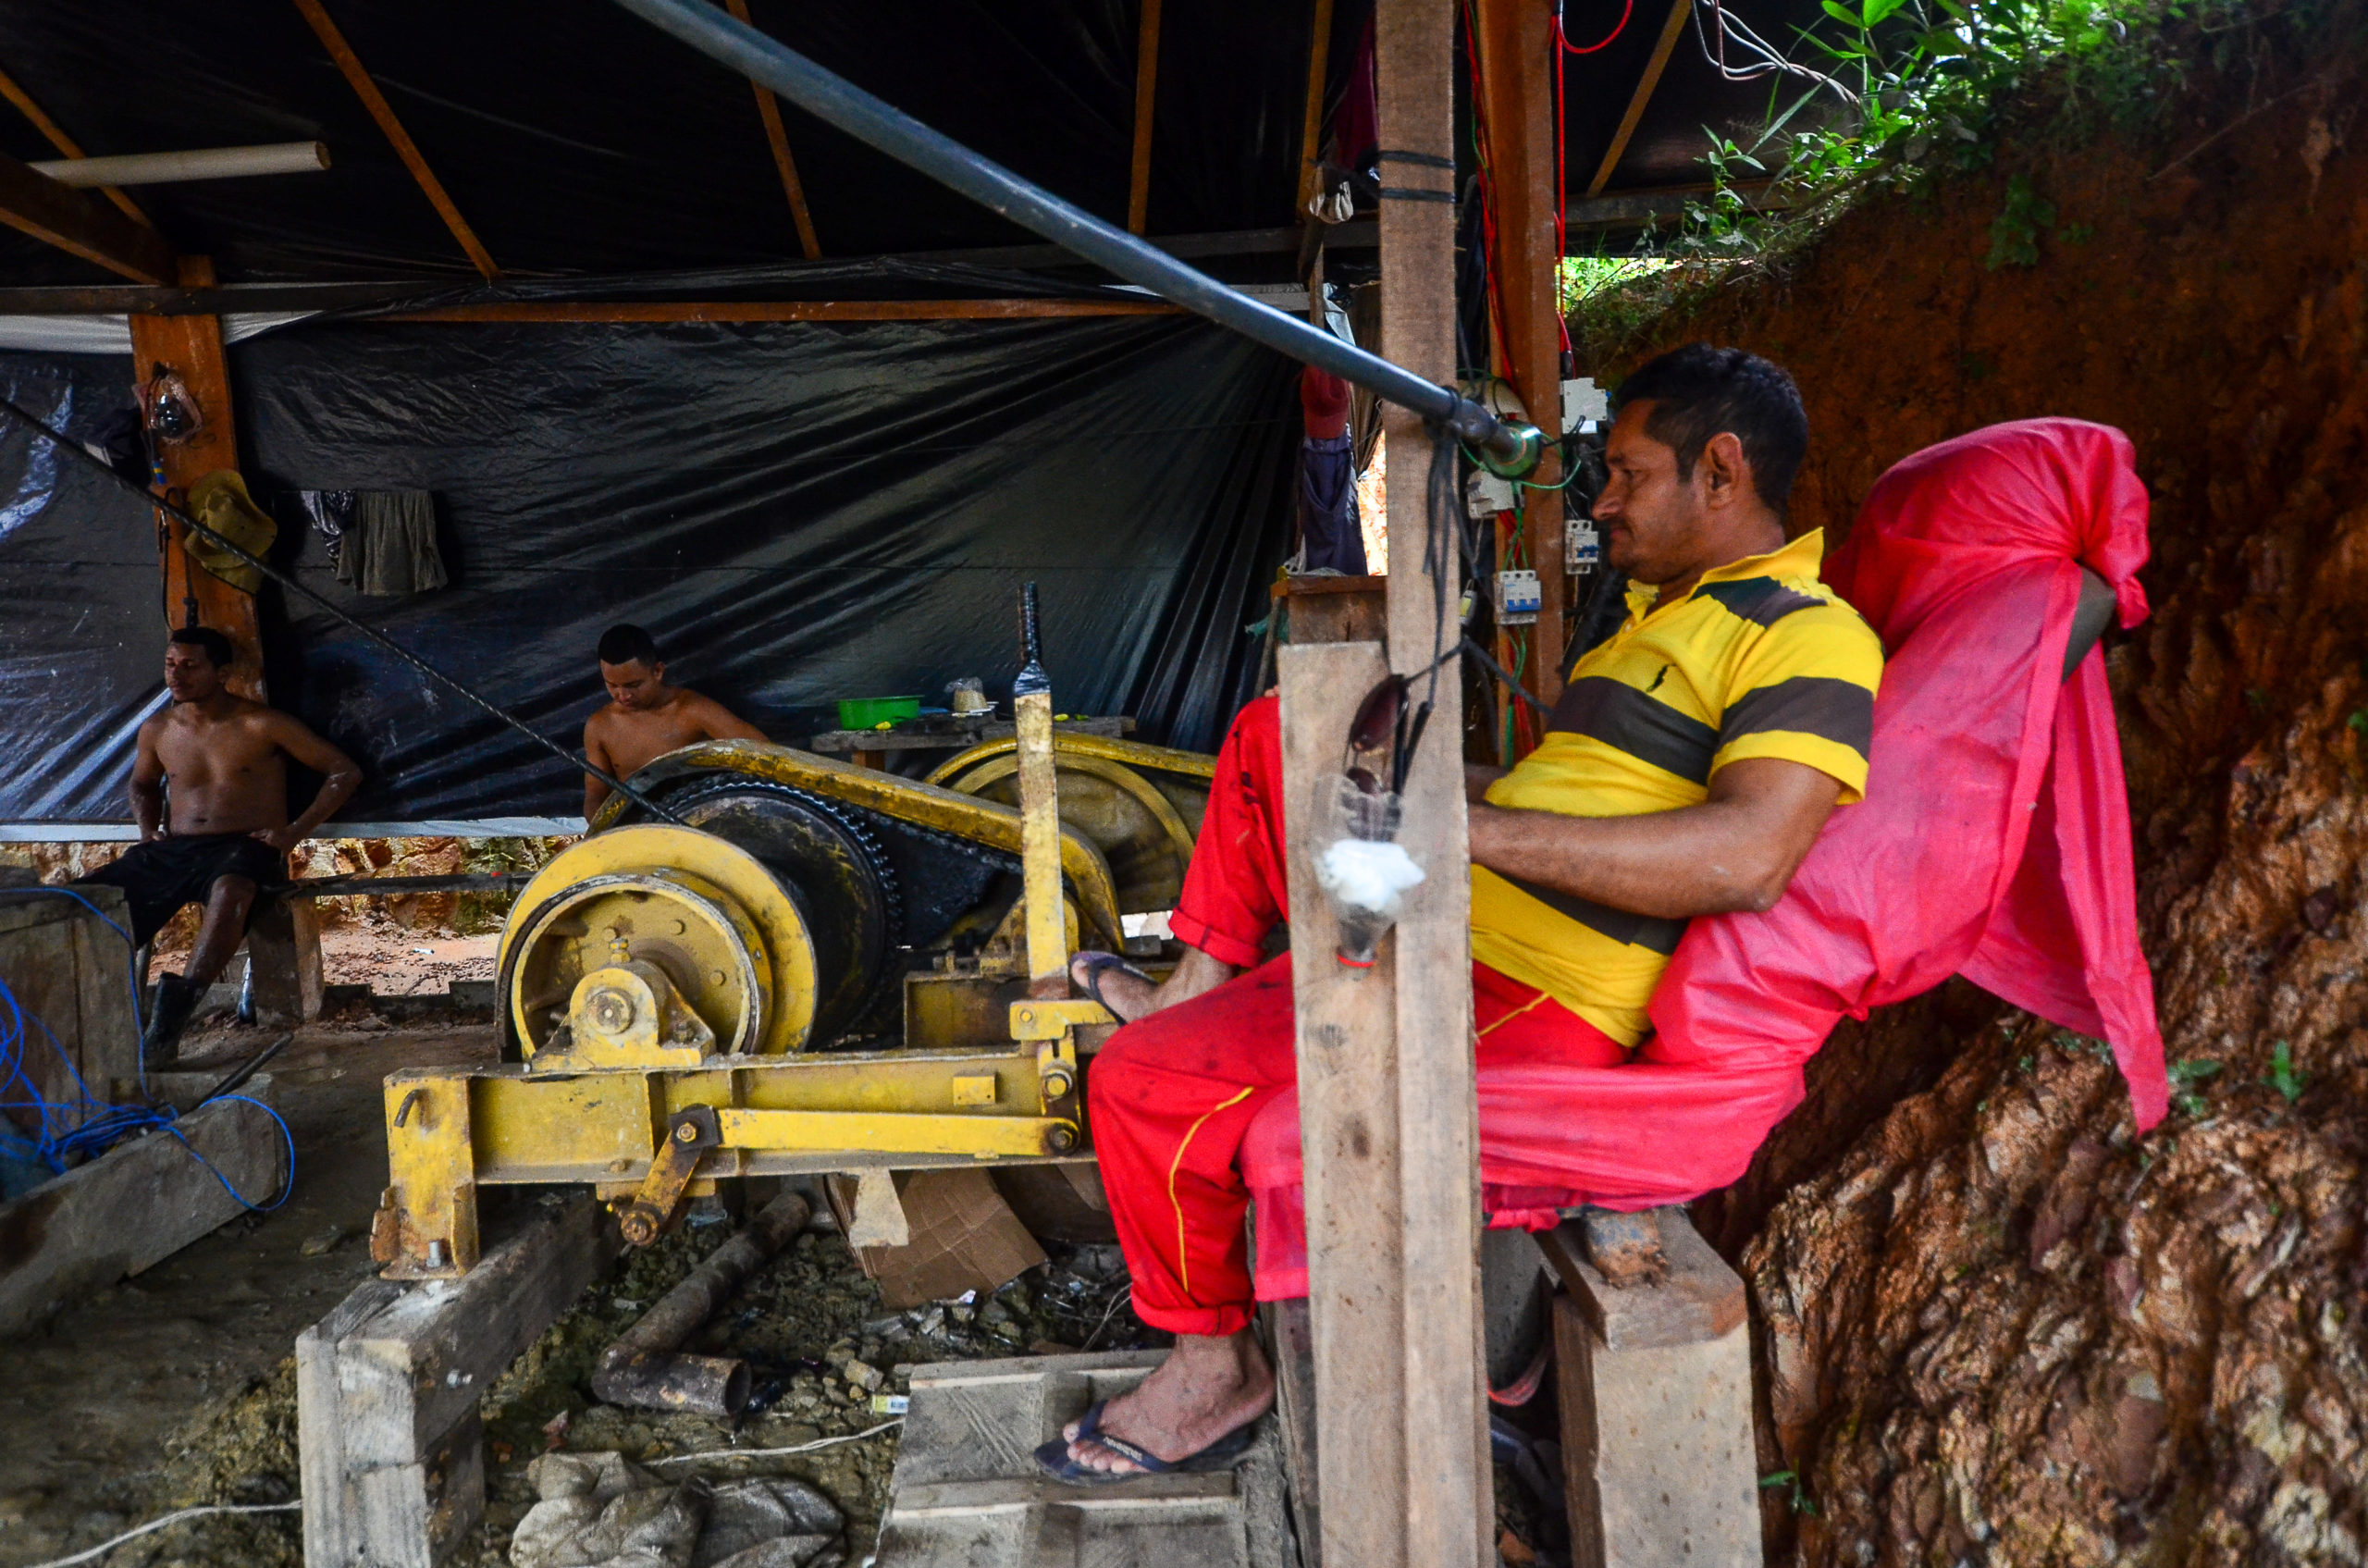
1691 762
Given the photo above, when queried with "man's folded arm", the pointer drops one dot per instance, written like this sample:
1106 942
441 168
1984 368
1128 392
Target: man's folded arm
1737 850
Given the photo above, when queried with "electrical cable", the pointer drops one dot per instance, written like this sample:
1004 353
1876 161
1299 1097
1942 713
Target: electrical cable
289 583
1627 9
776 1454
92 1554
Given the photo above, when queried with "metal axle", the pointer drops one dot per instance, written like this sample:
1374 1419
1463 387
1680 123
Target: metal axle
1513 449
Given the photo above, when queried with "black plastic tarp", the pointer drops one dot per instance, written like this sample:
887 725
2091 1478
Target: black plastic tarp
799 512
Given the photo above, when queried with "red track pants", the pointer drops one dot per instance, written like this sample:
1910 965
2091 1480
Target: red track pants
1172 1096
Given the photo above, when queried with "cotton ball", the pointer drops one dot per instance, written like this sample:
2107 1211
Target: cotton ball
1358 873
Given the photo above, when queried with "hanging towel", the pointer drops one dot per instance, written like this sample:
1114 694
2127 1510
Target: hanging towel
389 549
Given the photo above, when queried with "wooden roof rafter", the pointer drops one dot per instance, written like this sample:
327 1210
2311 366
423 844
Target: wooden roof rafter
54 134
349 66
777 138
1663 48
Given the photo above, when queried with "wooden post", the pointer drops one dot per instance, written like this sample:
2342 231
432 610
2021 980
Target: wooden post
192 347
1658 1455
1387 1113
1146 94
1517 114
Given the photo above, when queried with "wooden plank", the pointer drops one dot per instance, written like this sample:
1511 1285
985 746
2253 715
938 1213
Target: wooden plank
1517 114
54 134
410 1374
192 347
80 224
1291 1345
966 1489
349 66
777 138
1698 1299
1663 47
1348 1114
133 1208
1311 128
1146 85
388 1434
106 1026
788 310
284 952
1448 1515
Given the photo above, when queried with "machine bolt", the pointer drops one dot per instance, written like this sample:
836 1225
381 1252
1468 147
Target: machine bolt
639 1227
439 1255
687 1134
1057 1085
682 927
1061 1139
716 976
611 1010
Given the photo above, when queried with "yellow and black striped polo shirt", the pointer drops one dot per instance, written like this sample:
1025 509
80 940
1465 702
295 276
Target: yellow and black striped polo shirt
1760 659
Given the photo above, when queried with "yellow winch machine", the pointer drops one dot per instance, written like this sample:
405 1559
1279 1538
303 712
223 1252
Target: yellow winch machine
829 968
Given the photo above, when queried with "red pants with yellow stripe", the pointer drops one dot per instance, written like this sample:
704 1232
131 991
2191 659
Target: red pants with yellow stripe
1175 1096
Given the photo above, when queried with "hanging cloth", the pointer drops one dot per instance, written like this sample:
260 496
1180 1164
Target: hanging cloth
389 549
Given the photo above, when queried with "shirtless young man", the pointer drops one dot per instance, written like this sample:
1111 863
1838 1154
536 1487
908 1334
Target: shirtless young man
227 762
646 718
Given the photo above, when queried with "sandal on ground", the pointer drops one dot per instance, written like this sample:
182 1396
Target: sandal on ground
1096 966
1055 1460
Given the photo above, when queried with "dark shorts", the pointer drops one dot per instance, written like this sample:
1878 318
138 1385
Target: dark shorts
160 876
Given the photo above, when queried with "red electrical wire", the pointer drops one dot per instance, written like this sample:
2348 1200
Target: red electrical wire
1627 9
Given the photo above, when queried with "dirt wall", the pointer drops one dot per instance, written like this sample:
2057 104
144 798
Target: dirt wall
1995 1326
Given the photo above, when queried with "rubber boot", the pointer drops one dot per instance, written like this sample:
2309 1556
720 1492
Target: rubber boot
177 998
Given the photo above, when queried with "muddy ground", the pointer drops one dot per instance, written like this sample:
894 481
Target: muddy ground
176 1388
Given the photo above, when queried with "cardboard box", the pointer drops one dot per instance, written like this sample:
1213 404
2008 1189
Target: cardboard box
964 1238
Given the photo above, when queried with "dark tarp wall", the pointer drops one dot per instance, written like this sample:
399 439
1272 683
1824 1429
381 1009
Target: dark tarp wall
81 660
798 512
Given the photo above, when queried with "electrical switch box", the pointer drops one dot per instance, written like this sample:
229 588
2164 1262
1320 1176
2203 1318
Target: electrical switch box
1582 546
1517 598
1582 401
1485 494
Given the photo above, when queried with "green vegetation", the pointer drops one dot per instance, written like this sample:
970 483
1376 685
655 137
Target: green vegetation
2281 1075
2184 1077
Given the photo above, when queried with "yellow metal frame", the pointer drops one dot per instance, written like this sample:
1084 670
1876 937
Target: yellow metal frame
907 800
1110 748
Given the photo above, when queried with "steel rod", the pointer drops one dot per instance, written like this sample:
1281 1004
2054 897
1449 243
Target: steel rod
774 65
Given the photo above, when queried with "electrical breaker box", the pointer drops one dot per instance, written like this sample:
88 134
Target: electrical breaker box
1517 598
1581 400
1485 494
1582 546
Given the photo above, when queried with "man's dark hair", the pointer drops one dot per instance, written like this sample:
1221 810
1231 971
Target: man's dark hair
217 646
1699 391
628 645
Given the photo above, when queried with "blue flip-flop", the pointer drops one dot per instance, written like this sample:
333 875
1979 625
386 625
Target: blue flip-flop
1097 965
1054 1458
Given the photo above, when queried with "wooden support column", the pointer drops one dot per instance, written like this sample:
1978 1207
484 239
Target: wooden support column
1517 114
192 347
1146 94
1386 1075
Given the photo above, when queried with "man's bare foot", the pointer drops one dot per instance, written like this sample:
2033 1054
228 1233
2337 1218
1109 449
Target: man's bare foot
1206 1388
1131 997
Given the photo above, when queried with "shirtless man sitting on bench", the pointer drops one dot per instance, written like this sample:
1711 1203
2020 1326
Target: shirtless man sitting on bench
646 718
225 760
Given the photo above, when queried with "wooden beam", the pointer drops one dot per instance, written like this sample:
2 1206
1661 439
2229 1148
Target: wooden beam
1311 128
77 223
1517 116
1386 1073
1146 84
769 111
54 134
790 309
1662 48
349 66
192 347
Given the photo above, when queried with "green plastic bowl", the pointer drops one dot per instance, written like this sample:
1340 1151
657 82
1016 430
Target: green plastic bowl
870 712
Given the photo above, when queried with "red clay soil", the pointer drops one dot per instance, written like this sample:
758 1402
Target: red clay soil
1995 1326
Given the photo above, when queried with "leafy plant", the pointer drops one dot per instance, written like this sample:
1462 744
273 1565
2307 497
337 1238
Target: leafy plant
2185 1076
1797 1499
2014 233
2281 1075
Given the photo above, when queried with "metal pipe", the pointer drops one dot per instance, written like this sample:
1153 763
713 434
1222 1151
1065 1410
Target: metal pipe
642 1369
1513 448
199 163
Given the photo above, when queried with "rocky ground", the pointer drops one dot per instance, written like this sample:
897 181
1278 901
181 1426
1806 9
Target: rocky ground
1994 1325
